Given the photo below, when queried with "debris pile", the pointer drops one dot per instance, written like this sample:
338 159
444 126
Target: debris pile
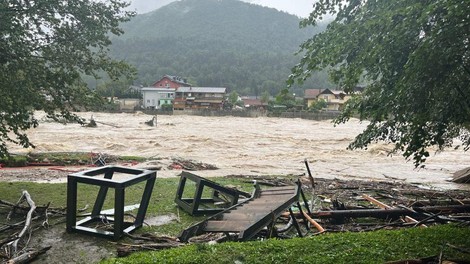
15 246
190 165
350 205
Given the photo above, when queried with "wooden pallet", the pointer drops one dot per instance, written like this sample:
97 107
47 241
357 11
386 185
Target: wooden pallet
249 217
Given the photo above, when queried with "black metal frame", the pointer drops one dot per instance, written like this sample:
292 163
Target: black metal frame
119 226
193 205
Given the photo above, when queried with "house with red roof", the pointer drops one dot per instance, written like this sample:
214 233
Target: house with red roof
169 81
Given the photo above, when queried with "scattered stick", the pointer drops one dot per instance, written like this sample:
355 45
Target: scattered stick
28 256
126 249
27 226
407 219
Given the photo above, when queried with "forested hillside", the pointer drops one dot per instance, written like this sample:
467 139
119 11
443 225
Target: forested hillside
244 47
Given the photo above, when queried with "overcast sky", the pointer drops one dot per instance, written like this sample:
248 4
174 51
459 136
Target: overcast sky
300 8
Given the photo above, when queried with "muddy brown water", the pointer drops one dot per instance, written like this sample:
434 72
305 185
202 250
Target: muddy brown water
253 146
237 146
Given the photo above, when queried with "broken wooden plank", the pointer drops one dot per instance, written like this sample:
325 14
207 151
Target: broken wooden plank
406 218
313 222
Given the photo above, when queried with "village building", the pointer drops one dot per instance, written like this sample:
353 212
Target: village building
199 98
155 98
254 103
310 96
335 99
169 81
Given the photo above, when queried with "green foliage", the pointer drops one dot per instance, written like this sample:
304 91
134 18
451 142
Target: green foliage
368 247
167 107
285 97
265 96
46 47
233 97
118 88
318 105
413 55
246 48
63 158
14 161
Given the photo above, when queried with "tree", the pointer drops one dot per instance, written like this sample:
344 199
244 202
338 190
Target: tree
233 98
318 105
286 98
414 57
46 47
265 96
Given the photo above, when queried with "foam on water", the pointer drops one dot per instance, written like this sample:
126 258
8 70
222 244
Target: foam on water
244 145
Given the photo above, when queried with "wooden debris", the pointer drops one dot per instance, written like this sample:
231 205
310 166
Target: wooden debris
154 243
14 246
92 122
180 164
313 222
462 176
28 256
152 122
27 226
406 218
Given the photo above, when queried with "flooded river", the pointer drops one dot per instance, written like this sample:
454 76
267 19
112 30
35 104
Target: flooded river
250 146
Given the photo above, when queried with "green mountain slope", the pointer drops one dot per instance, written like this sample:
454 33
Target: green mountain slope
244 47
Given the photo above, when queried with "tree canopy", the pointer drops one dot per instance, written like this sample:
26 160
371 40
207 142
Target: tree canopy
414 58
46 47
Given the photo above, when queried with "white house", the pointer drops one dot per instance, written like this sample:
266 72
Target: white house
154 98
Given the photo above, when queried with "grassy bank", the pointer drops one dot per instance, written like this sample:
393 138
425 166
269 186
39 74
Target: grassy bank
370 247
63 159
161 203
365 247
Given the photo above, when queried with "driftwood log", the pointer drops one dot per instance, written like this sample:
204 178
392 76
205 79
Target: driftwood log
28 256
13 246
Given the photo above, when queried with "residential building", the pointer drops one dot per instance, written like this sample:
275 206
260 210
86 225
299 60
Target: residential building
310 96
199 98
254 103
335 99
169 81
154 98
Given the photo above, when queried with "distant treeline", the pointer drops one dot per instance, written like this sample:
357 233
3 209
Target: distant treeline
246 48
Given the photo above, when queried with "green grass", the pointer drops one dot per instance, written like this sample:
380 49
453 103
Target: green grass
366 247
161 203
63 158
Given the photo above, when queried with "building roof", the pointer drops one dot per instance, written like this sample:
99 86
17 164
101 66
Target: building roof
335 92
156 89
253 102
176 79
190 89
312 93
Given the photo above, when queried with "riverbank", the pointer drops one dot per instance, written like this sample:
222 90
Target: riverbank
243 146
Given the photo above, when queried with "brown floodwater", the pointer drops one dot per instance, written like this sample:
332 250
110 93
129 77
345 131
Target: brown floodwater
249 146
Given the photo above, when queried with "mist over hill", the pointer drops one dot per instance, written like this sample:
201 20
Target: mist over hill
244 47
